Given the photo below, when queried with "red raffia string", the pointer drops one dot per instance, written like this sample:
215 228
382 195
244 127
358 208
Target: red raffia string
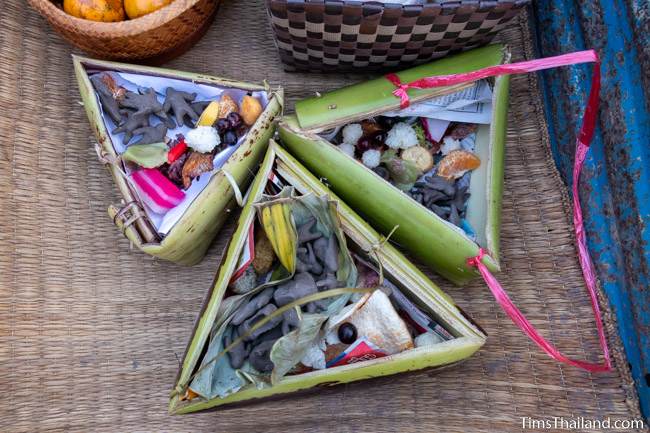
582 147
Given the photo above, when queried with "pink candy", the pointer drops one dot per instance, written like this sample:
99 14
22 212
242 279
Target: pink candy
156 191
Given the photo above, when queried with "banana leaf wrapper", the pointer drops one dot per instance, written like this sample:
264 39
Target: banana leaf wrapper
187 242
363 240
442 246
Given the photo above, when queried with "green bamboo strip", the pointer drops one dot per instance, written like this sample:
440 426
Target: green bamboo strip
373 97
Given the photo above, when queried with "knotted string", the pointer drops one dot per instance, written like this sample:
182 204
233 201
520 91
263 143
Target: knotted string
104 157
374 250
582 147
401 91
108 159
136 213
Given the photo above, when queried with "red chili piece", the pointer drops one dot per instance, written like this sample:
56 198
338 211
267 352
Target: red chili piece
176 151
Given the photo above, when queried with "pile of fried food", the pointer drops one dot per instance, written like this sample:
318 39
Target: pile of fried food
159 168
110 10
305 303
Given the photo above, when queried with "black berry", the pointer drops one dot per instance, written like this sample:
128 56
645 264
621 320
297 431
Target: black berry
230 138
388 122
347 333
235 120
222 125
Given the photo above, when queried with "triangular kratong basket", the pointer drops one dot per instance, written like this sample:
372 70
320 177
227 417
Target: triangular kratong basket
188 240
437 243
362 239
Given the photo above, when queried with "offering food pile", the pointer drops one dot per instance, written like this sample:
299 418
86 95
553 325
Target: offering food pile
402 151
159 168
304 302
110 10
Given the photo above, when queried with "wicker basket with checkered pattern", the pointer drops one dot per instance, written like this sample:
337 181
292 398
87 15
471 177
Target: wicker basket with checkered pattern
344 35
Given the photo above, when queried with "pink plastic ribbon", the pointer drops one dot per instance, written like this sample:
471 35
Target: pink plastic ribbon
520 320
401 92
582 147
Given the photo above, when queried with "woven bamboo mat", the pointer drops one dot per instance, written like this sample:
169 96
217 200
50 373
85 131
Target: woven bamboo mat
91 333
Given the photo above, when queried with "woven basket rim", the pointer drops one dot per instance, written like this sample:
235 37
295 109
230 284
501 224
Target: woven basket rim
106 30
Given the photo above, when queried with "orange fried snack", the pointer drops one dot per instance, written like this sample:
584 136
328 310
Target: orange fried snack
196 164
457 163
227 105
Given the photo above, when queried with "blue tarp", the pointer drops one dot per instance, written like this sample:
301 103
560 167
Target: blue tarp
616 177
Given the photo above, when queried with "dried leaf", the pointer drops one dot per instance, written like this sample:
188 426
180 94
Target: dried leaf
377 320
290 349
117 92
462 130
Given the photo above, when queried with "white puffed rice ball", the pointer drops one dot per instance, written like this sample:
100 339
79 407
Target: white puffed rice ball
352 133
401 136
371 158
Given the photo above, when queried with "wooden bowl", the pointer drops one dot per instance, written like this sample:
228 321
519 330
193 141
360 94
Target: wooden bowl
156 37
